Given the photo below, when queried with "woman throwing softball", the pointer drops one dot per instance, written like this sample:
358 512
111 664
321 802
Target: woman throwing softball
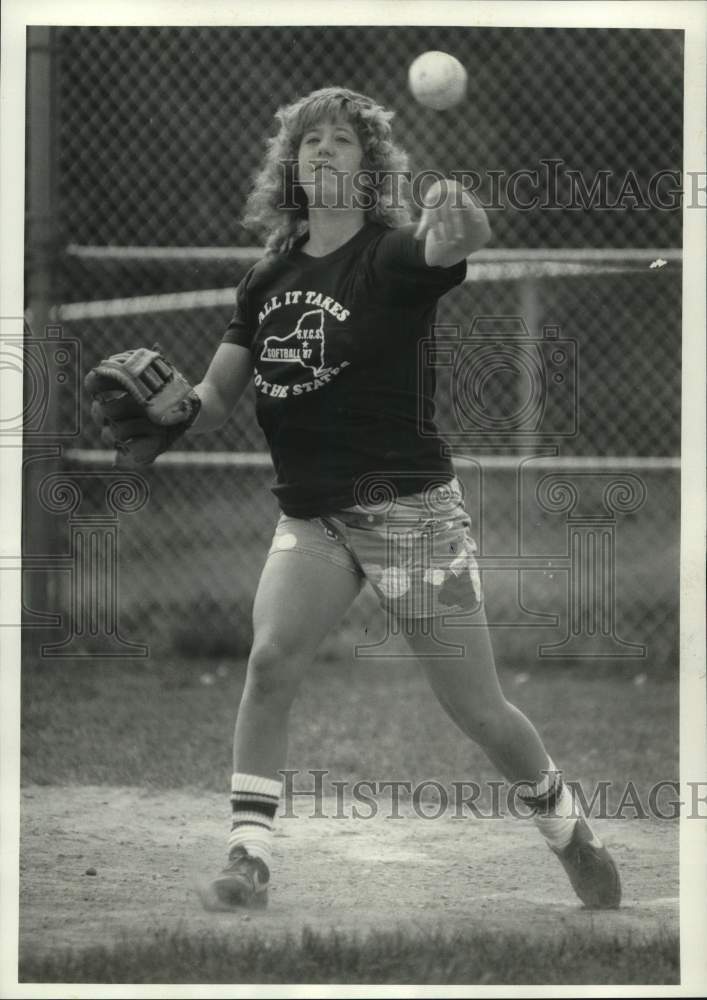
327 325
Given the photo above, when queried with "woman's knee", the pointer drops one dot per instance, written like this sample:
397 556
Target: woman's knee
274 671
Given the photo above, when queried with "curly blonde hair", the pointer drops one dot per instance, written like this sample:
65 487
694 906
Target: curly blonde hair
277 206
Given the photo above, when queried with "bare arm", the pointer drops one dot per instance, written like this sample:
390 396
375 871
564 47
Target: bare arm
452 224
222 386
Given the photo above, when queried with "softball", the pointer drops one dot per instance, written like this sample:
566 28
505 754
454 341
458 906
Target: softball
437 80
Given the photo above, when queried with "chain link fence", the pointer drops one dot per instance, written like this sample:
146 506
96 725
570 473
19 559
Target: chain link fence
160 130
157 133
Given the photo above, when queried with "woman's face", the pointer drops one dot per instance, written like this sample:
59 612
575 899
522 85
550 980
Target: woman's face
329 155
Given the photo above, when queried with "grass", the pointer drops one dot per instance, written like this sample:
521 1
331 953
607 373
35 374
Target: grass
474 957
168 723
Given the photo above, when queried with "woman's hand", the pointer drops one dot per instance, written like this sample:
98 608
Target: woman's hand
452 224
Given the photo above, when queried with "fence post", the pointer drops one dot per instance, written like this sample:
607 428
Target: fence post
41 250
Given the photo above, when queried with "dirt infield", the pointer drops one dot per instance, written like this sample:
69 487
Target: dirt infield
149 852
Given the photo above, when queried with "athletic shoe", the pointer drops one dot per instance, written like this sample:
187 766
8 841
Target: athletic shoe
591 869
242 883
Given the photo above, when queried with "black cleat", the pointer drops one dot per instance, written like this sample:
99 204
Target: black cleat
591 869
243 883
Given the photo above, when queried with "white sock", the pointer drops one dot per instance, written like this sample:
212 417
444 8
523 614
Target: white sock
254 803
555 811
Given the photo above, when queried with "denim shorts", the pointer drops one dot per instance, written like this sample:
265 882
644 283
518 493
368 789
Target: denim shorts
416 551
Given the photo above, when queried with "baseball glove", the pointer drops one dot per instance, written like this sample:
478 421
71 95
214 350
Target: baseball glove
142 403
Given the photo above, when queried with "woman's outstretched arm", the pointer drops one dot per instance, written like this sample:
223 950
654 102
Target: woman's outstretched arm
222 386
452 224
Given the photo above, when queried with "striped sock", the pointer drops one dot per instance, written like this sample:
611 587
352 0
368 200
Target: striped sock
554 810
254 803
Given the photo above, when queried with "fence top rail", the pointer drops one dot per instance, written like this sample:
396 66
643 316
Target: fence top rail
596 255
486 265
261 459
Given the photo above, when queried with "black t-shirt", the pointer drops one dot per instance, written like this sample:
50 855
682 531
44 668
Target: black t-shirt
334 342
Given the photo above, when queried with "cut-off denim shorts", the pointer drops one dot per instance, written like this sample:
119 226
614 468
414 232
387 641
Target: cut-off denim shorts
416 551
